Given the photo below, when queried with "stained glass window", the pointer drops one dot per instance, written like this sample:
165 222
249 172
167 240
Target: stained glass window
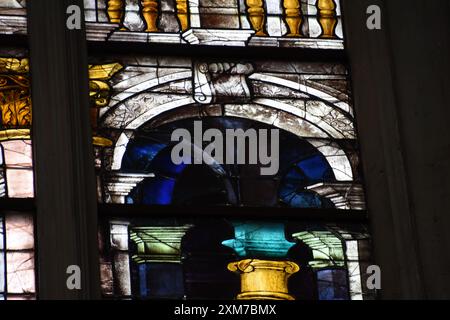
139 100
13 17
16 168
146 98
272 23
194 259
17 268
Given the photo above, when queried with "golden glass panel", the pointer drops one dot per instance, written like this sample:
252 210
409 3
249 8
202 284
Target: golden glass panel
264 279
15 100
13 134
327 18
182 14
293 17
150 13
116 10
256 16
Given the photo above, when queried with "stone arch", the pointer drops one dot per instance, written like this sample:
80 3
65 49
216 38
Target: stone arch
327 118
334 154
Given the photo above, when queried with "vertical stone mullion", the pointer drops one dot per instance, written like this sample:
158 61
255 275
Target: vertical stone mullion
63 153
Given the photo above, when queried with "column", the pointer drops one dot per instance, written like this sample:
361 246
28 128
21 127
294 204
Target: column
158 258
264 271
63 154
264 279
119 185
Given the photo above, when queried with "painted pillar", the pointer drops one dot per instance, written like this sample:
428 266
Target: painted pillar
159 260
263 269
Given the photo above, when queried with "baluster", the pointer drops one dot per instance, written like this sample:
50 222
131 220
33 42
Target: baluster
327 17
293 18
182 14
150 13
116 11
256 16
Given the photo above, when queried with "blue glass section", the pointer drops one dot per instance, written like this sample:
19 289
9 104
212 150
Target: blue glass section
332 284
259 240
301 165
292 182
306 172
129 200
306 200
146 156
162 164
316 168
143 279
157 190
140 154
161 280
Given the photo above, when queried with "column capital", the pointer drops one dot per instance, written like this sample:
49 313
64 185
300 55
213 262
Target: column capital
158 244
264 279
262 240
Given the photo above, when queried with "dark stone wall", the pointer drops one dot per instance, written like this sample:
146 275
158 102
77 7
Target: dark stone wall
66 217
401 78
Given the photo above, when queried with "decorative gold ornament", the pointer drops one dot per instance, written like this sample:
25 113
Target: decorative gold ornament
15 100
256 16
327 18
150 13
99 95
99 89
182 14
101 142
116 10
14 65
293 17
15 134
264 279
104 71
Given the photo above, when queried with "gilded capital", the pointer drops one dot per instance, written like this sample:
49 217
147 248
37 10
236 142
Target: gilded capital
264 279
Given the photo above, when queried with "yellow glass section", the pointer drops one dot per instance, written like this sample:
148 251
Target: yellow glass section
15 98
293 17
264 279
256 16
327 18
